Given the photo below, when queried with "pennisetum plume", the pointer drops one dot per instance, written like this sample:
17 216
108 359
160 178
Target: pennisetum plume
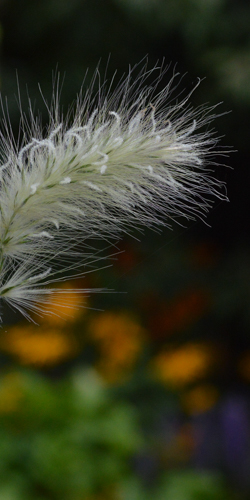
122 159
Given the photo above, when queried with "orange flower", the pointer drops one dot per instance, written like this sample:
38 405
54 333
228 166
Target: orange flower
181 366
33 346
200 399
119 337
166 318
65 307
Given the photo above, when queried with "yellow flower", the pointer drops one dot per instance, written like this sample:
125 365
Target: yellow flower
180 366
33 346
64 308
119 338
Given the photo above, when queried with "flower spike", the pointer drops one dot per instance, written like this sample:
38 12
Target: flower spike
132 159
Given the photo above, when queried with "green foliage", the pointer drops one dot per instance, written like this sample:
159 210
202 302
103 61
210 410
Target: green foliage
190 485
67 439
71 440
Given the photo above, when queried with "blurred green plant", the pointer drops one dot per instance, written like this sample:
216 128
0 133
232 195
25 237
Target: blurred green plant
63 440
190 485
71 440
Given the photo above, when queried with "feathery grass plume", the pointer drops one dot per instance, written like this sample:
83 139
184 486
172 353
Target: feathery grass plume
120 160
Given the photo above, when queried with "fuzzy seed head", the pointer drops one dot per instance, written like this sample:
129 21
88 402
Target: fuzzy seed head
132 159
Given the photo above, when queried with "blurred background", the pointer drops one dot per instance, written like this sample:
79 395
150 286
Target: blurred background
143 393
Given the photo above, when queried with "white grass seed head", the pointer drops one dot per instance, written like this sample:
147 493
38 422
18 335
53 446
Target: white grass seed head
123 159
